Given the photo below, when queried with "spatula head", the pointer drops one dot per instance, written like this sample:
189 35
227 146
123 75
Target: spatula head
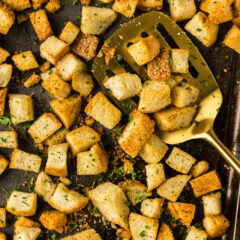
172 36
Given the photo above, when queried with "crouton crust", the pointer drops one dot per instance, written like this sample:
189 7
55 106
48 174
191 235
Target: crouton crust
232 38
53 6
8 139
148 5
3 236
165 233
26 222
3 95
7 18
33 80
3 164
4 54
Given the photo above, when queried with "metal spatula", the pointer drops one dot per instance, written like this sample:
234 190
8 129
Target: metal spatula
210 99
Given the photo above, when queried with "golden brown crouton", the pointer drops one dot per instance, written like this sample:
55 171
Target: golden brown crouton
124 234
4 54
7 18
3 236
2 217
58 137
3 164
3 95
147 5
18 5
38 3
22 18
232 38
127 166
165 233
69 33
53 6
45 67
8 139
33 80
152 208
89 234
26 222
125 7
85 2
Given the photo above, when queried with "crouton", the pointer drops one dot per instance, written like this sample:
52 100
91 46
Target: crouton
43 127
135 190
236 21
4 54
38 3
180 161
26 233
25 161
127 166
53 220
172 187
174 81
22 203
196 233
201 28
44 186
124 234
96 20
165 233
85 2
85 46
3 236
7 18
148 5
124 85
3 164
2 218
212 204
111 202
125 7
90 234
56 86
67 109
21 18
136 133
46 74
45 67
81 139
57 138
69 201
152 208
180 60
200 168
8 139
142 227
154 97
53 5
103 111
145 50
52 49
82 83
207 5
21 108
3 95
26 222
216 226
33 80
5 74
68 65
206 183
232 38
69 33
175 118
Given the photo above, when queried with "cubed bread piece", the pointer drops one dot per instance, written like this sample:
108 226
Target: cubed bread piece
180 60
136 133
82 83
184 212
154 97
38 3
26 233
85 46
67 109
165 233
5 74
68 65
216 226
125 7
44 186
52 49
18 5
180 161
46 74
21 18
69 201
172 187
236 21
43 127
3 95
232 38
174 81
196 233
207 5
53 5
200 168
2 218
4 54
103 111
3 164
65 181
145 50
124 234
69 33
89 234
7 18
124 85
201 28
26 222
57 138
56 86
22 203
142 227
96 20
175 118
21 108
152 208
8 139
127 166
206 183
212 204
32 80
147 5
135 190
53 220
3 236
45 67
81 139
111 202
41 24
237 6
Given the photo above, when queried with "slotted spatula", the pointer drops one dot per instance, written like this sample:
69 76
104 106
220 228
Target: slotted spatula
210 99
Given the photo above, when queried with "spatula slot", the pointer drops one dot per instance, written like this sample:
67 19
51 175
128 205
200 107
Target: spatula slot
144 34
192 70
109 73
129 44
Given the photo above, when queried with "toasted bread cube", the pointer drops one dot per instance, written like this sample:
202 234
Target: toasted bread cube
96 20
3 95
124 85
136 133
125 7
207 5
65 181
53 220
145 50
174 81
26 222
148 5
53 49
82 83
124 234
53 5
180 161
3 236
152 208
7 18
19 5
154 97
2 218
216 226
206 183
81 139
38 3
22 203
57 138
45 67
165 233
33 80
22 18
68 65
3 164
86 234
127 166
172 187
175 118
236 21
232 38
111 202
69 33
201 28
56 86
46 74
67 109
5 74
138 227
25 233
43 127
8 139
200 168
180 60
103 111
212 204
4 54
196 233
